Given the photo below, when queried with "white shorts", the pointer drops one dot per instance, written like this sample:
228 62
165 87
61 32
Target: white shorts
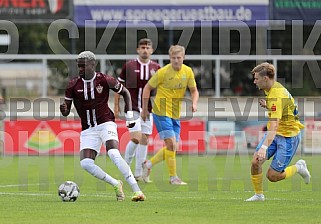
93 137
146 127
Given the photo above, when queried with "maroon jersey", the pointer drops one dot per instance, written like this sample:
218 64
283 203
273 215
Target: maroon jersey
135 75
90 98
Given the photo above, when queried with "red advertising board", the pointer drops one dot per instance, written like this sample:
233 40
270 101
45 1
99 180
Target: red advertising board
222 142
311 137
41 137
32 137
221 135
35 10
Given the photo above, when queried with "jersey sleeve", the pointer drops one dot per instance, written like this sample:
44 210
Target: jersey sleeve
156 79
114 84
122 76
191 79
69 92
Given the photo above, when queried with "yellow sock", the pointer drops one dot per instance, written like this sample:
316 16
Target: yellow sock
159 156
290 171
257 182
170 158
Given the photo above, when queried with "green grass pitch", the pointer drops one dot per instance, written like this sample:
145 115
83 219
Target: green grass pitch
217 187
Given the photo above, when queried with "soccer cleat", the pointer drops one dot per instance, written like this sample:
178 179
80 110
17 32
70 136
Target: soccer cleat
120 196
140 179
138 196
256 197
146 172
177 181
303 170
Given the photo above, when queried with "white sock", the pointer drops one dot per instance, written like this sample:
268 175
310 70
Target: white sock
298 168
89 165
130 152
123 167
149 164
141 154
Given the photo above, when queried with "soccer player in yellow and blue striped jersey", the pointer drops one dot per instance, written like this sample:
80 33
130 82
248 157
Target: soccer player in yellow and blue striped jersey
283 133
171 83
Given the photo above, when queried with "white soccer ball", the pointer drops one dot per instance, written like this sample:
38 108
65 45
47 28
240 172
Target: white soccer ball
68 191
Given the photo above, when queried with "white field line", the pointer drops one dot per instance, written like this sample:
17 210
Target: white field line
18 185
41 194
190 194
52 194
25 194
153 198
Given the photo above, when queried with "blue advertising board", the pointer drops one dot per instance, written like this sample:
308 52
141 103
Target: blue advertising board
170 14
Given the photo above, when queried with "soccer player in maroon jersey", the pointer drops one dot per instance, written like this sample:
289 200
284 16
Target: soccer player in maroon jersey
89 92
134 75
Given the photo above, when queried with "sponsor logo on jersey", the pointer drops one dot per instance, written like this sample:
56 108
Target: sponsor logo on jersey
273 108
112 133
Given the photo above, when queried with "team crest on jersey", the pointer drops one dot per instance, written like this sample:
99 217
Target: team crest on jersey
99 88
152 72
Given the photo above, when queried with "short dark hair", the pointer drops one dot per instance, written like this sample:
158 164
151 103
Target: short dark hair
145 41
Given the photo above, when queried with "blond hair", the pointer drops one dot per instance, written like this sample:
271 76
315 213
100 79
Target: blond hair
176 49
264 69
88 55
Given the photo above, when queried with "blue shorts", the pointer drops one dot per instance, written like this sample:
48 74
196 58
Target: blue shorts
167 127
283 149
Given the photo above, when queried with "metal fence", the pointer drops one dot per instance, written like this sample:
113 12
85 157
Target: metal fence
217 60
